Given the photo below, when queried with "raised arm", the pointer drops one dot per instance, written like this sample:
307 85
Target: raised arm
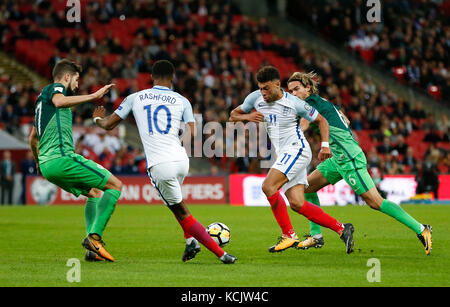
312 115
108 123
325 151
61 101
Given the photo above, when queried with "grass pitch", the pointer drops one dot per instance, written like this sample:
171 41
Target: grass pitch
147 242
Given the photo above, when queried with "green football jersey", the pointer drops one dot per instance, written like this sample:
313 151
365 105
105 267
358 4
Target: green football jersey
53 125
342 144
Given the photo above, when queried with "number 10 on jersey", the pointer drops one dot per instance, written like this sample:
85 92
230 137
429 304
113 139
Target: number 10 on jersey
153 120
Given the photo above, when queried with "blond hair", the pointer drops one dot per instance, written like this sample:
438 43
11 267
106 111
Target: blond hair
306 79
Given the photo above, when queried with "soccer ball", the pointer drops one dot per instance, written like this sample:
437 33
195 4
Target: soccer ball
219 232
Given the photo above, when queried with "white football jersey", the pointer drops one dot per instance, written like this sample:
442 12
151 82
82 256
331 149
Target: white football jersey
282 118
159 112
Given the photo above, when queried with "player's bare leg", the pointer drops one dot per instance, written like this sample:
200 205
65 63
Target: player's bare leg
377 202
271 185
105 209
296 197
194 228
316 181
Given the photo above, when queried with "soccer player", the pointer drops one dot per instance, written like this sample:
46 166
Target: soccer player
348 162
159 112
281 113
52 145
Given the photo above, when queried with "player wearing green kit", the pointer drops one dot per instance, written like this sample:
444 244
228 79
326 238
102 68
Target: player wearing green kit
52 145
348 163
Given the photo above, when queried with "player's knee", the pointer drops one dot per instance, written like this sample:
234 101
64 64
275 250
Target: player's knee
296 204
95 193
373 199
115 184
268 189
372 202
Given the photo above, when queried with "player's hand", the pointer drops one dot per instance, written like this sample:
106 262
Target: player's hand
325 153
103 91
256 117
99 112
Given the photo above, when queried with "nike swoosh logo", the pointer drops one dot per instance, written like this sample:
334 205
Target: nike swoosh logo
95 246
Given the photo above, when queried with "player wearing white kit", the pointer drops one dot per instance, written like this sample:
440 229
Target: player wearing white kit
281 112
159 112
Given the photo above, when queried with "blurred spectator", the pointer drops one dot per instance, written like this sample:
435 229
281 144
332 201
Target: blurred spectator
386 147
409 159
214 73
7 172
28 168
117 168
427 179
131 168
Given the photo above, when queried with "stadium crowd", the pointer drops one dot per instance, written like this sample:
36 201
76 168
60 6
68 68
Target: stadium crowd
215 51
412 41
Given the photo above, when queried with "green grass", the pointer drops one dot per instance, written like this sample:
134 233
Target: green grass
147 242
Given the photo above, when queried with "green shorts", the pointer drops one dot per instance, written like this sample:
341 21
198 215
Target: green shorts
354 172
75 174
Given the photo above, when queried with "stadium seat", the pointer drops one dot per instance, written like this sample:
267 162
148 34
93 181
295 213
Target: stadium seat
367 55
443 145
121 84
109 59
415 137
54 34
407 169
143 80
26 120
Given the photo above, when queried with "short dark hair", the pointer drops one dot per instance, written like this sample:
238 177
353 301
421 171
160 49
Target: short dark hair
163 69
267 73
65 66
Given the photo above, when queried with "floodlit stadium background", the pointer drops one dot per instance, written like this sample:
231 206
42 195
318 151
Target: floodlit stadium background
391 78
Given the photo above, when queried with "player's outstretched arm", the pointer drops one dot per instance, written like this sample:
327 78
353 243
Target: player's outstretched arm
61 101
325 151
34 144
108 123
237 115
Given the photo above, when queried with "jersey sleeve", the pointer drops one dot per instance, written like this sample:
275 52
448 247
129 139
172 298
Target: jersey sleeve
188 114
304 109
126 106
56 89
249 102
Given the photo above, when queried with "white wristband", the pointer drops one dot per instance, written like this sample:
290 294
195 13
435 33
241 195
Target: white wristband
325 144
96 119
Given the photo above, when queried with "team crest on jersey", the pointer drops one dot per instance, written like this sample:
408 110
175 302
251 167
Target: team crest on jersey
286 111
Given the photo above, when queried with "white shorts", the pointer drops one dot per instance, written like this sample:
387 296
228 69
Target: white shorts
293 162
167 178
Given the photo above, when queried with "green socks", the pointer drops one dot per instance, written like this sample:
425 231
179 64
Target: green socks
89 213
387 207
397 212
314 229
105 209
